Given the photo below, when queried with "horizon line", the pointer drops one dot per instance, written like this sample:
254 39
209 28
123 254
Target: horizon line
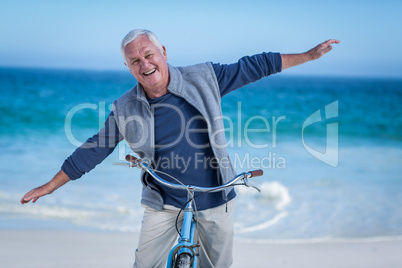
123 70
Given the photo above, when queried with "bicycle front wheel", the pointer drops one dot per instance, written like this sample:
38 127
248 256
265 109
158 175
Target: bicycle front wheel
183 261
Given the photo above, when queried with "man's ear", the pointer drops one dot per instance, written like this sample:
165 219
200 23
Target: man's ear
164 52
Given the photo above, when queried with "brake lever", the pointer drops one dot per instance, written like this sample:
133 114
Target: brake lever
124 164
246 183
255 187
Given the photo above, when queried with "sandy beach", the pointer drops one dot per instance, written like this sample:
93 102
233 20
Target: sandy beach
41 248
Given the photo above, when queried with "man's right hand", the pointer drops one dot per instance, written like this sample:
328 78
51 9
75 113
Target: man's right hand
34 194
59 180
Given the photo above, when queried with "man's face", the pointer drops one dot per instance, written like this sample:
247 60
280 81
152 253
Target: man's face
147 64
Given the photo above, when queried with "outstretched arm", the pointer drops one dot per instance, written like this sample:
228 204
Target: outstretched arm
290 60
84 159
58 180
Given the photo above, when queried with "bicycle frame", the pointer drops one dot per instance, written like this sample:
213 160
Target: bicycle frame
186 243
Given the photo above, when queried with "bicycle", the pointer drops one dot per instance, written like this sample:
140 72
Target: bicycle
184 253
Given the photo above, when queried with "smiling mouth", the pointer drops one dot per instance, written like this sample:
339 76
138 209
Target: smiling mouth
150 72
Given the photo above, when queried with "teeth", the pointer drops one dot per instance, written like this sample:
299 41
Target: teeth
148 73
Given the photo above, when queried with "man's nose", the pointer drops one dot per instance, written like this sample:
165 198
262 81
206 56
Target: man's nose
144 63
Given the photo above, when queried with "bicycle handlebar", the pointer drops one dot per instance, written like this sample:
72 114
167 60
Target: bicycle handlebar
132 159
243 176
256 173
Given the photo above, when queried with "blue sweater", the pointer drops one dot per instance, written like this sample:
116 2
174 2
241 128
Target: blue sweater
182 144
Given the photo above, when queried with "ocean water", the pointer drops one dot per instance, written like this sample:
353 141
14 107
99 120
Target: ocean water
330 148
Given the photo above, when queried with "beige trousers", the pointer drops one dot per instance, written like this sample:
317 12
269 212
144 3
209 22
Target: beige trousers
158 236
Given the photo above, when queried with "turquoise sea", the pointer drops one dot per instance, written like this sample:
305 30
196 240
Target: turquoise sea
330 148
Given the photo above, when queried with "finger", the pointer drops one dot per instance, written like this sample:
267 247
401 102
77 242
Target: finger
331 41
27 197
25 200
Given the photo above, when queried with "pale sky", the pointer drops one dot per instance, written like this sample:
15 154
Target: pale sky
87 34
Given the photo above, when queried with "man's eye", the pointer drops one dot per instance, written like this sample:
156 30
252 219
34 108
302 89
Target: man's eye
135 62
149 56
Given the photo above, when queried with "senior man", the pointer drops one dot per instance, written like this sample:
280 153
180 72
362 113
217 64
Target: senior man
172 118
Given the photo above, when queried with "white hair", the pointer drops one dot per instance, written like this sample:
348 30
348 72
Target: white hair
134 34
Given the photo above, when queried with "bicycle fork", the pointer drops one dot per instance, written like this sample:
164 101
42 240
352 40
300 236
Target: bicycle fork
186 244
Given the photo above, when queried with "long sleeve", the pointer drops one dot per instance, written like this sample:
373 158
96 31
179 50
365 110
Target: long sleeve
93 151
247 70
